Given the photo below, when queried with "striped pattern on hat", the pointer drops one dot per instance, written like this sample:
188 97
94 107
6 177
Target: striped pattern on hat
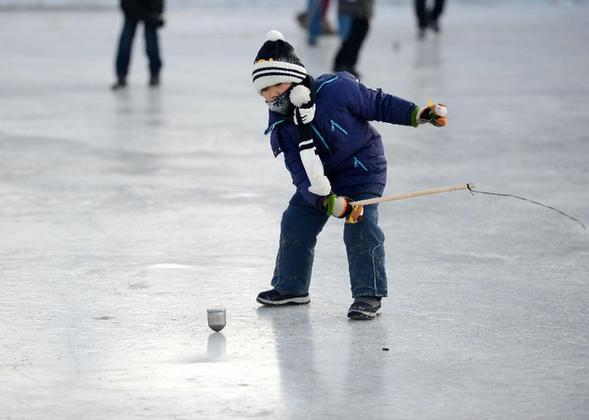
269 73
276 62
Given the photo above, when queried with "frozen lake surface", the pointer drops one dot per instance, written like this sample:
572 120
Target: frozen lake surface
124 216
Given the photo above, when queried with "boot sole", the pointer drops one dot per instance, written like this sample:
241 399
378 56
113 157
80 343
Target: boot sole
290 301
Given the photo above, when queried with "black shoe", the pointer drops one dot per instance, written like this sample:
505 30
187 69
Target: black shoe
119 84
433 24
154 81
275 298
364 308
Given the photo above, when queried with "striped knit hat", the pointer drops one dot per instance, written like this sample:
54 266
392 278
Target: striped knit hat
276 63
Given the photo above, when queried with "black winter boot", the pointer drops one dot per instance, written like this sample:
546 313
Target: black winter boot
274 298
154 81
365 308
121 83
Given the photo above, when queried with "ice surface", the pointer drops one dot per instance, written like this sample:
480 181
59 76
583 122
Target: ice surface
124 216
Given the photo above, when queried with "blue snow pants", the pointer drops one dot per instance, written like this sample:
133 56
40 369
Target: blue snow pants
364 242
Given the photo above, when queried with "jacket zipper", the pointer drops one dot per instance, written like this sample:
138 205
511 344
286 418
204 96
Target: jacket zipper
320 136
335 125
358 162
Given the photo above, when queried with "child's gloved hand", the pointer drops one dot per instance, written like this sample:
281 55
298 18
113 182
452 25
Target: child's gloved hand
434 114
338 206
304 115
302 98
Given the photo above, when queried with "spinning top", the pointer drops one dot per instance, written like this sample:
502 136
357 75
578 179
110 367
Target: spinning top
216 318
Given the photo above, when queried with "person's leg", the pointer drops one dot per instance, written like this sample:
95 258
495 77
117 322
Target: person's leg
344 23
421 14
366 257
347 56
314 19
365 248
298 235
436 12
124 49
153 53
356 39
345 29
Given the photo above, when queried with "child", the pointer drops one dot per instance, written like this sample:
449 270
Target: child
334 156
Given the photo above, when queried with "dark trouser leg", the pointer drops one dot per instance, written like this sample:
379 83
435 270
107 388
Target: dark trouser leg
340 62
152 49
357 36
437 10
365 248
125 47
298 235
421 13
347 56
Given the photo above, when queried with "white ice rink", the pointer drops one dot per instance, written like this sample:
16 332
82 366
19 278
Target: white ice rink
124 216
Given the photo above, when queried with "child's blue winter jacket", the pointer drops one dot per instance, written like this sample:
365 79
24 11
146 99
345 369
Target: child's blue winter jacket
349 147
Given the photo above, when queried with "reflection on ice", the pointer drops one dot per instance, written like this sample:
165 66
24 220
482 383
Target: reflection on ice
216 344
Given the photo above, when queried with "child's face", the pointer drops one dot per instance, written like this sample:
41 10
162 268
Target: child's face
272 92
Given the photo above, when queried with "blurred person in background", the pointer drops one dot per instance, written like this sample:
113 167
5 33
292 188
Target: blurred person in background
354 22
315 21
428 18
150 12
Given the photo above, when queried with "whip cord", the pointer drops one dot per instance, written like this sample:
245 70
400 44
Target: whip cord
473 191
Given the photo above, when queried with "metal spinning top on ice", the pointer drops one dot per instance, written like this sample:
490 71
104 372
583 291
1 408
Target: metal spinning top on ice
216 318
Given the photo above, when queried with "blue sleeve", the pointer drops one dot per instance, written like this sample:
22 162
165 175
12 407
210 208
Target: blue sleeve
376 105
292 160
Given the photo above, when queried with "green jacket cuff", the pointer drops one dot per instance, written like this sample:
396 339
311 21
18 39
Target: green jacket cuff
414 116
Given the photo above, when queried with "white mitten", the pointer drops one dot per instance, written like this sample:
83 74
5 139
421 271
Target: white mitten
300 97
304 115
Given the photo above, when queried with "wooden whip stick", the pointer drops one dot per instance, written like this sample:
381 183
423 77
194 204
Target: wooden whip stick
395 197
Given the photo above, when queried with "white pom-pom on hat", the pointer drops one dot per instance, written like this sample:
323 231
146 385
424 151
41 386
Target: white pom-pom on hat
274 35
300 95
